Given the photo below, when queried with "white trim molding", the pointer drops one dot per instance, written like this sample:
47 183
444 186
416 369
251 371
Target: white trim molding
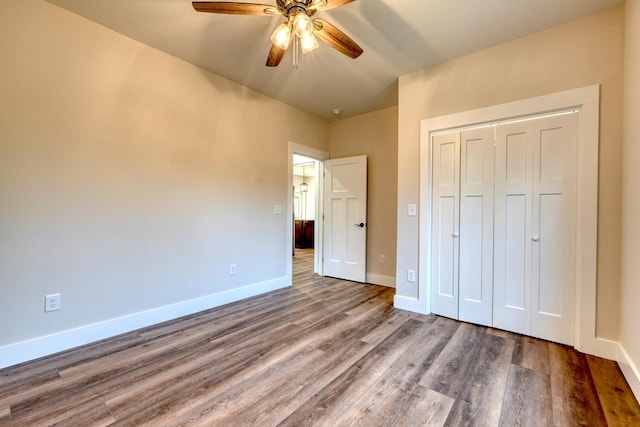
587 100
409 304
24 351
630 371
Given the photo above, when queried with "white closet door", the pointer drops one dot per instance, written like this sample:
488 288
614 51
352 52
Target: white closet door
554 232
476 226
513 230
445 218
535 237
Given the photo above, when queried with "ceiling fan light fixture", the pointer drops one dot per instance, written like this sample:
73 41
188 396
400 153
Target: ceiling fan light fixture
315 4
281 36
302 25
307 44
298 29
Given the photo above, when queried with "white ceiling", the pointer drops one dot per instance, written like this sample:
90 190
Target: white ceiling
398 37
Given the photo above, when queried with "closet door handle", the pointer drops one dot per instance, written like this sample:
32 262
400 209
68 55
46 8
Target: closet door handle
455 235
535 238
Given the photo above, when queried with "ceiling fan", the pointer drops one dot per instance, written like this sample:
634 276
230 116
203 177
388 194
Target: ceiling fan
299 28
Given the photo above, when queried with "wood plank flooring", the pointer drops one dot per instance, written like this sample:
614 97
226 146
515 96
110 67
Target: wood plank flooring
322 353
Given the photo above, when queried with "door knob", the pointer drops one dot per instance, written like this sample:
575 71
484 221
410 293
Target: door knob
361 225
455 235
535 238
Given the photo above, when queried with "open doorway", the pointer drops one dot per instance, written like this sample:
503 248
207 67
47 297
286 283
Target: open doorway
310 202
305 195
338 203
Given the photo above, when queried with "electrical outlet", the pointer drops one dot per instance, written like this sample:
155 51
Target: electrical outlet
382 259
52 302
233 269
411 275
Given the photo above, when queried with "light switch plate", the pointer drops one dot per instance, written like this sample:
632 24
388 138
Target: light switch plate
412 210
411 276
277 209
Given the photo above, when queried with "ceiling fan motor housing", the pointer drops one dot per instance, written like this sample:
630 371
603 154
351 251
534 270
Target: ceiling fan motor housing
309 7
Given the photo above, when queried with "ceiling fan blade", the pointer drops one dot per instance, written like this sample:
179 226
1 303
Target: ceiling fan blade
233 8
330 4
275 56
336 38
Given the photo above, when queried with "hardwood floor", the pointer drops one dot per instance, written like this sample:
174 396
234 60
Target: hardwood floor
324 352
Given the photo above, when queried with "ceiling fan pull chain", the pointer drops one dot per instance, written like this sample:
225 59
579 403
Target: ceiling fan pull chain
295 51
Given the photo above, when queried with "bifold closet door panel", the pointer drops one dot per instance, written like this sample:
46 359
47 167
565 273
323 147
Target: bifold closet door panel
476 226
535 227
513 227
445 220
554 227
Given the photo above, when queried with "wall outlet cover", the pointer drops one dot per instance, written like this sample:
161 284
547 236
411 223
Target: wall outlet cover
52 302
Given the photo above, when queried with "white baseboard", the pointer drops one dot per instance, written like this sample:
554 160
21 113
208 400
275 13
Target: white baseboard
43 346
409 304
630 371
378 279
607 349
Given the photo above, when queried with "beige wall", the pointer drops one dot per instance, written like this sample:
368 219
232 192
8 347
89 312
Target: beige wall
376 135
129 179
630 292
580 53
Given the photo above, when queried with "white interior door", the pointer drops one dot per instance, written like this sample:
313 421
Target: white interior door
476 226
445 220
345 218
554 227
534 279
513 232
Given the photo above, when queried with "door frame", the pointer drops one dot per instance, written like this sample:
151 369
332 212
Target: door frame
320 156
587 100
